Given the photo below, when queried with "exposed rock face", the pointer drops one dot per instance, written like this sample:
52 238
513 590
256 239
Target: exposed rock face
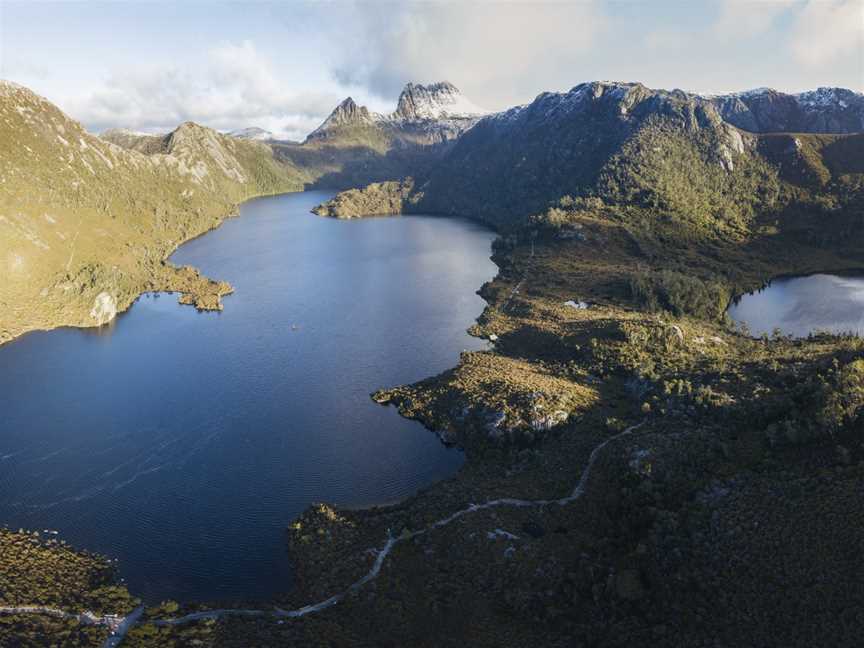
611 143
104 308
599 137
425 114
435 101
825 110
346 114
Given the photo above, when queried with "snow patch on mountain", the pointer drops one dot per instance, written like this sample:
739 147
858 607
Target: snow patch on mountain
125 132
439 111
251 133
434 101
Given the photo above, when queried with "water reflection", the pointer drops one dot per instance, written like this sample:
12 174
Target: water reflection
799 306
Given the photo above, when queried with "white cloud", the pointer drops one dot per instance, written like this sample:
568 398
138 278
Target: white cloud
497 52
236 87
668 39
741 19
828 31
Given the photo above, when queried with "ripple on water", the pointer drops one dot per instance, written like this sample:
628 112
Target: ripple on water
183 443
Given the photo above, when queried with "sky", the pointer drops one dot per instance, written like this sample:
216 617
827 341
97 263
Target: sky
150 65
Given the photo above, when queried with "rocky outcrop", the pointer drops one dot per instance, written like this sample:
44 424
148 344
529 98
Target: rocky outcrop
435 101
377 199
104 308
346 115
425 114
825 110
491 398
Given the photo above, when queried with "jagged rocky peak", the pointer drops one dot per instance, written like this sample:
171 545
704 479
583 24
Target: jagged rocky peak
348 113
764 110
425 114
440 100
624 101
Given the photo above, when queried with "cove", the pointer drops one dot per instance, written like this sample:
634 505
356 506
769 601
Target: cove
183 443
798 306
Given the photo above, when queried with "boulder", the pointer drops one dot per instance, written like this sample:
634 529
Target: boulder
104 308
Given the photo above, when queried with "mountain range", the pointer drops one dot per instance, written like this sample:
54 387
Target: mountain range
626 145
718 475
116 205
426 114
86 222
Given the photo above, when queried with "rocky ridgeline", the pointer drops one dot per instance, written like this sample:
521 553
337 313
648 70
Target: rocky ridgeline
425 114
86 222
825 110
623 144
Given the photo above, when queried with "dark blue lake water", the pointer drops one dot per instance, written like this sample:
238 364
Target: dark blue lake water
183 443
798 306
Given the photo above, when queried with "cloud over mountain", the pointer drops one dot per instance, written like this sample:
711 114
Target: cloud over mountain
827 31
498 50
236 86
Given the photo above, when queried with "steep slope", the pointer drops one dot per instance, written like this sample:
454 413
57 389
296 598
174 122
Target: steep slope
85 224
651 153
345 117
621 143
824 110
355 146
425 114
440 100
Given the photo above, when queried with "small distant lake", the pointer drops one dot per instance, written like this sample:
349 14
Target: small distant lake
799 306
184 443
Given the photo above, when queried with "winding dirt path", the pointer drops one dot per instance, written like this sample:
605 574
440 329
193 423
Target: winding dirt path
120 626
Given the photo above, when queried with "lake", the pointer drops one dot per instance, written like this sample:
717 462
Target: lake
184 443
799 306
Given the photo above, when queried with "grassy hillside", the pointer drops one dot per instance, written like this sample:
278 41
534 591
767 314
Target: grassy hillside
81 217
355 157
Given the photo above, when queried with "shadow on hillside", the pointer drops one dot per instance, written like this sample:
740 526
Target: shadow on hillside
345 167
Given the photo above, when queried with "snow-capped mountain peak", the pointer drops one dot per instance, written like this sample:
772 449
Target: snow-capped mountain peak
440 100
425 113
252 133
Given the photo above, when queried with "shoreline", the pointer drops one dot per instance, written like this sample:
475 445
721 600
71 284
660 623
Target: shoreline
174 284
94 329
614 342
